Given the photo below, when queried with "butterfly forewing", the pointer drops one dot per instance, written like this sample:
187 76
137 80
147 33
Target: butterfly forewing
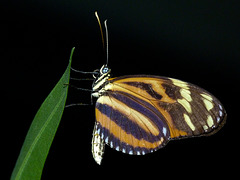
140 114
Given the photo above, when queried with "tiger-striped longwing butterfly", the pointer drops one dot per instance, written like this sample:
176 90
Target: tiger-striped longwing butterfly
139 114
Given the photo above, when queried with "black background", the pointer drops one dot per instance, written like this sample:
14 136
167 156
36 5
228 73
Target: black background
197 42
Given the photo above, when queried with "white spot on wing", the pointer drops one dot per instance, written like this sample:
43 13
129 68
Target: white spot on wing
106 140
220 106
164 131
220 113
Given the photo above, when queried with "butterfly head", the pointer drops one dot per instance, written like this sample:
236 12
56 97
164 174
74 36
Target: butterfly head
104 70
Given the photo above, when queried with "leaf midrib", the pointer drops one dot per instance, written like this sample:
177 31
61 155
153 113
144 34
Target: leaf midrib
37 138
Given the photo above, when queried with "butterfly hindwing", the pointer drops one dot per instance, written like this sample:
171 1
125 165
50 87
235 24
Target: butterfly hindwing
140 114
125 128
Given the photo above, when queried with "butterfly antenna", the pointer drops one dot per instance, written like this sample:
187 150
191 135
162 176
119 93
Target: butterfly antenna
105 24
100 26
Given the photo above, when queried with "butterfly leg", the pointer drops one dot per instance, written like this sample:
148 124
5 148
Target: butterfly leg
82 89
77 104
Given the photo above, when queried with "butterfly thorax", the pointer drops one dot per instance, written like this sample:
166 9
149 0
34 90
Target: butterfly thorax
100 81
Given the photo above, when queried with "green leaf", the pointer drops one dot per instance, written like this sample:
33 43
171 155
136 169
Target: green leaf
40 135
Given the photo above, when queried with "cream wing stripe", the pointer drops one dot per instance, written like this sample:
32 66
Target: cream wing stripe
189 122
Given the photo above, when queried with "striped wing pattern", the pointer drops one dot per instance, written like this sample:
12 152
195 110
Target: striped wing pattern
140 114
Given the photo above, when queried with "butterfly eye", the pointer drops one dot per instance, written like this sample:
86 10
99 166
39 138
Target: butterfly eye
104 69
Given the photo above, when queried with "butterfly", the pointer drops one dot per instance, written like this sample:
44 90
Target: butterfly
139 114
